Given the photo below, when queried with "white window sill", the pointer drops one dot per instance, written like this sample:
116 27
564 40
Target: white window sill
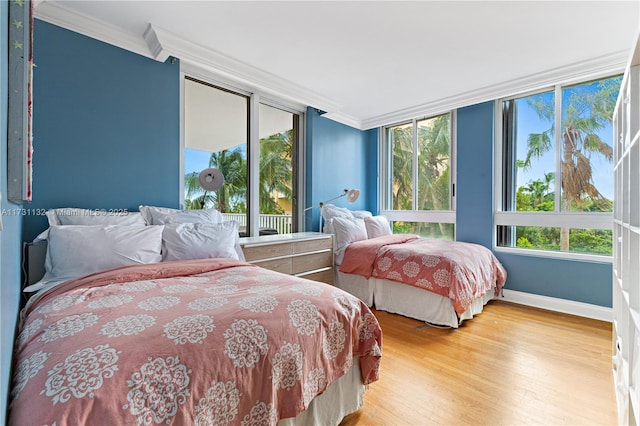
596 258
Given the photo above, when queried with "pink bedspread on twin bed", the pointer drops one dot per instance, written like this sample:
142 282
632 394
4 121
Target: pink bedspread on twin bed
194 342
457 270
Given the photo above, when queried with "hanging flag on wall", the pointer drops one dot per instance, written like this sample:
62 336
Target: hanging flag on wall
20 149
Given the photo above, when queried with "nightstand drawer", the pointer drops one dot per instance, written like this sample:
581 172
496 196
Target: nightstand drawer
279 265
267 251
310 262
312 245
325 275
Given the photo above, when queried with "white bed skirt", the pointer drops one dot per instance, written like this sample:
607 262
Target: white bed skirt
407 300
342 397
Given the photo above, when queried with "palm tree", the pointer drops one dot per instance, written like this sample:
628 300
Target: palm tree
195 197
233 165
434 138
587 111
402 138
231 197
276 170
538 190
433 167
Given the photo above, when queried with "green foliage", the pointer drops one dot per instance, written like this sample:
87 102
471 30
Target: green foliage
276 171
524 242
275 177
434 140
591 241
545 206
532 198
428 230
596 241
402 227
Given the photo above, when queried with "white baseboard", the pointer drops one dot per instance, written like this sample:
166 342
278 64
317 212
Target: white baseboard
559 305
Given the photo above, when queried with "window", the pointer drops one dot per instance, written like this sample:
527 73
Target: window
557 171
218 126
417 170
278 136
216 135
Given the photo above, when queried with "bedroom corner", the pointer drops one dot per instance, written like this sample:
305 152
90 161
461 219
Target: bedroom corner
337 157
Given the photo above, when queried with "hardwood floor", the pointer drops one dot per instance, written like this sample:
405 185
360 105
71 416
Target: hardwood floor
510 365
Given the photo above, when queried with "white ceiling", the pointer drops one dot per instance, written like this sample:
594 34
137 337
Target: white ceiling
369 63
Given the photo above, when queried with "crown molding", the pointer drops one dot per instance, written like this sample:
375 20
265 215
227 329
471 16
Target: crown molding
163 43
57 14
160 44
579 71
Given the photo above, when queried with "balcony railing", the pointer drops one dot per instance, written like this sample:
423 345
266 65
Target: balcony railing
279 222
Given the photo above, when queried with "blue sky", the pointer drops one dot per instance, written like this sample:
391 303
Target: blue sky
529 122
195 160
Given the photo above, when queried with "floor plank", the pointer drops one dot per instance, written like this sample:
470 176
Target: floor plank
511 365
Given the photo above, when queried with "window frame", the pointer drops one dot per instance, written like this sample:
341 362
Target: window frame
385 171
255 97
557 218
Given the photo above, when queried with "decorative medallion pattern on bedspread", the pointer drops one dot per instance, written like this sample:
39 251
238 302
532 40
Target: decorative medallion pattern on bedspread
204 342
457 270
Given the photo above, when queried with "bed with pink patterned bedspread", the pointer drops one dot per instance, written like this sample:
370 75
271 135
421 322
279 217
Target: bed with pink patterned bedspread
191 342
457 270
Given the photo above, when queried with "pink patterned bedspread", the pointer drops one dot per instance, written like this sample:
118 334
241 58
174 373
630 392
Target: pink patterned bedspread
457 270
194 342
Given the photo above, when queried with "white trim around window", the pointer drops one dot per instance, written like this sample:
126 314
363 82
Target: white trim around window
584 257
556 220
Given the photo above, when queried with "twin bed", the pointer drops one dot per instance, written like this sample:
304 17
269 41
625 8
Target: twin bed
436 281
131 324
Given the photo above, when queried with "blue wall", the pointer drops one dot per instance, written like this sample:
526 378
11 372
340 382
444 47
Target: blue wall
106 126
10 235
587 282
339 157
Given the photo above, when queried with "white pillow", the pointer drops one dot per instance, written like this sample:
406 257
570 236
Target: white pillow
377 226
185 241
75 216
328 212
77 250
158 215
347 231
193 216
361 213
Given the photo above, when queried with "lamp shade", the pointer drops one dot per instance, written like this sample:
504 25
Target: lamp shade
352 195
211 179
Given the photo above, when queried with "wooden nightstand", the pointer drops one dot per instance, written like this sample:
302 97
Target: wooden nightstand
304 254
